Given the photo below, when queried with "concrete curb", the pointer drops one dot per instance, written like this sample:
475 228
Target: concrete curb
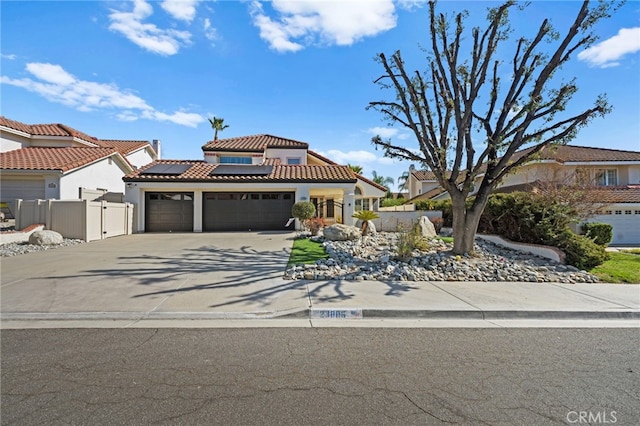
488 315
307 313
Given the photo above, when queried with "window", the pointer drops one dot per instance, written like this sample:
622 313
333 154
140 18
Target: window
637 212
627 212
618 212
582 177
606 177
293 161
235 160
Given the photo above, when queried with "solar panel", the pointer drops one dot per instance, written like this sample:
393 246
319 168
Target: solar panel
239 170
167 169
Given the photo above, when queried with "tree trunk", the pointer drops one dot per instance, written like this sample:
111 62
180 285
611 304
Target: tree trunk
465 222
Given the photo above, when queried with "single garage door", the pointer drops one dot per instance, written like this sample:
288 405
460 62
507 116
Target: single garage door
23 189
626 224
169 212
246 211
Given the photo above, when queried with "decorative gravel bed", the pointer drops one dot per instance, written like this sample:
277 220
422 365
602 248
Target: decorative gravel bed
373 258
13 249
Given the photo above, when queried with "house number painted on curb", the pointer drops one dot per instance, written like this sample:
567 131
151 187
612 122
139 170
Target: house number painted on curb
336 313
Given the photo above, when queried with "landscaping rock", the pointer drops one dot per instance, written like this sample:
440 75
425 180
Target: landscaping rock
426 228
45 238
374 258
340 232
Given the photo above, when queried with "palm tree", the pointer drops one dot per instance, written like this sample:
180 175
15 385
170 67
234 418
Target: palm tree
217 124
403 180
383 181
355 169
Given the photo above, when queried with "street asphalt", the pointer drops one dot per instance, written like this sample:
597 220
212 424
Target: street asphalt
188 279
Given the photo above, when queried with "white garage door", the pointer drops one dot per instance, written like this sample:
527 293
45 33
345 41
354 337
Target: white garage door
10 190
626 224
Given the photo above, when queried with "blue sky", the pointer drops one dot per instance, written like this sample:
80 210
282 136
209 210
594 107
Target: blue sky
302 70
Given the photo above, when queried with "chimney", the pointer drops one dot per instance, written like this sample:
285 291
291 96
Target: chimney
156 147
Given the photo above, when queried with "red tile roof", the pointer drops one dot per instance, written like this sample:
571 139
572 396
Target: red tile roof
621 194
572 153
16 125
424 175
63 159
123 146
201 172
255 143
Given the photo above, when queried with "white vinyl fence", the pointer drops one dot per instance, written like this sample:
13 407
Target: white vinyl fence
82 219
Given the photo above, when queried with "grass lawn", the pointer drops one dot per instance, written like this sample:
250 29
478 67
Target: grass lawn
620 268
446 239
306 251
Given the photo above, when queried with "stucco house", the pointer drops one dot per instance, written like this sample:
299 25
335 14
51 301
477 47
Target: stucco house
53 161
615 172
245 183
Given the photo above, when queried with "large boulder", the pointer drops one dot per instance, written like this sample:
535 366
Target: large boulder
371 227
340 232
45 238
426 228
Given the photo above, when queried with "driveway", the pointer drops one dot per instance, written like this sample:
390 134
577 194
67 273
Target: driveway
142 275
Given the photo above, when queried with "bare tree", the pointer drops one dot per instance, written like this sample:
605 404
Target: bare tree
460 93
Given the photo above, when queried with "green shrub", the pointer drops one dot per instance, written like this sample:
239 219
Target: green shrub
600 233
408 241
303 210
526 217
444 206
581 251
392 202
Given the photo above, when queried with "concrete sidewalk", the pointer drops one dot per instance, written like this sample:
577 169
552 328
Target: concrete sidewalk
190 277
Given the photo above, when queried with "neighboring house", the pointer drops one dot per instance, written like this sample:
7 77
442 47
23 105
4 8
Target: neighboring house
615 172
53 161
245 183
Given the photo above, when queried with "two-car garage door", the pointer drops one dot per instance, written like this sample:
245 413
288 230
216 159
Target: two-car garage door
246 211
221 211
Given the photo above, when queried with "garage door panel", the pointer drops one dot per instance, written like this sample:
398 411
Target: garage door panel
168 212
626 224
242 211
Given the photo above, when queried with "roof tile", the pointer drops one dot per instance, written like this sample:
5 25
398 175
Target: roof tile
255 143
123 146
201 172
63 159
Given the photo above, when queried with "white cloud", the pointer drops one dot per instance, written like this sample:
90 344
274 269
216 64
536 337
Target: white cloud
9 57
57 85
185 10
351 157
411 5
383 132
388 132
209 32
607 53
300 23
147 36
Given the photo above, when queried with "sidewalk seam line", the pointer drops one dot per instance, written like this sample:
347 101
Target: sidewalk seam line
462 300
558 285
